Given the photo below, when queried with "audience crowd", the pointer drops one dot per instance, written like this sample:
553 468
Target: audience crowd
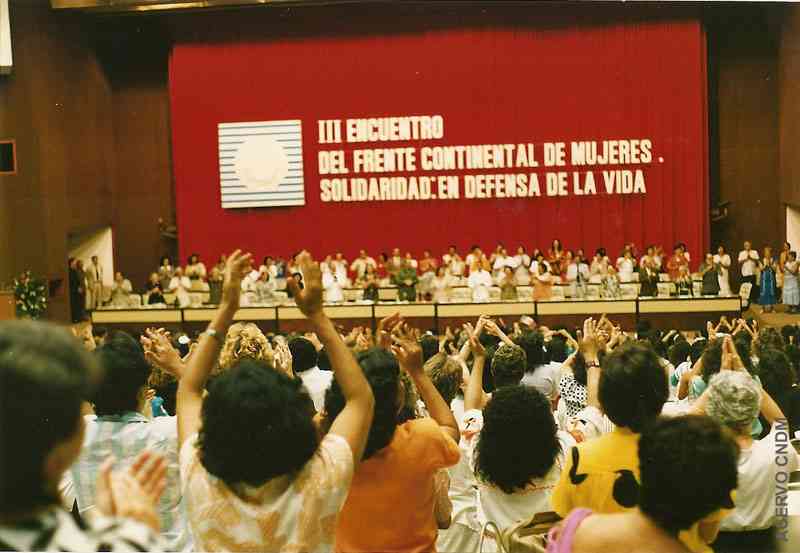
770 278
484 437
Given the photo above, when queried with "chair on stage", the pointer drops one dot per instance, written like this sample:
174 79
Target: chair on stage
557 293
629 290
525 293
665 289
461 294
592 292
353 294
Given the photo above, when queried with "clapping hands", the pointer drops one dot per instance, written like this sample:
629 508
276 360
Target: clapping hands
309 298
132 493
406 348
236 268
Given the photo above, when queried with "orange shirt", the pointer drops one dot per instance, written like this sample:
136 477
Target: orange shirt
391 501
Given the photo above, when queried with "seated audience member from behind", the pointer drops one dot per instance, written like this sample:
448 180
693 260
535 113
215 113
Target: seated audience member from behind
45 375
734 399
516 424
258 475
304 364
392 498
602 474
688 472
539 373
450 376
123 430
780 380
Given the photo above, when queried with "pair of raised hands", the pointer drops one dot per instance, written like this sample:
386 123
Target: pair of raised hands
395 335
132 493
307 295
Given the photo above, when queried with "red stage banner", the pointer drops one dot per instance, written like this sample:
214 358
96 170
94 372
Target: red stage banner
594 134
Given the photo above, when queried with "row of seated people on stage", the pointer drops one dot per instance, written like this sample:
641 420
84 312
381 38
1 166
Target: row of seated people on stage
397 440
495 277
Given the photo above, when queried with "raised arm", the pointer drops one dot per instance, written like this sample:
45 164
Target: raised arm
494 329
409 354
590 347
354 422
474 396
770 409
189 398
686 378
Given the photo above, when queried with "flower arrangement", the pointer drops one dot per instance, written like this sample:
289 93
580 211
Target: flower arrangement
31 296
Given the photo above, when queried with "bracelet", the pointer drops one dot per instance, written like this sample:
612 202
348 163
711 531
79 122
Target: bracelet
212 333
592 364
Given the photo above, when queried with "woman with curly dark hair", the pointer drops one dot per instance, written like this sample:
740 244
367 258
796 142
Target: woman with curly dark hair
780 381
517 424
257 475
513 446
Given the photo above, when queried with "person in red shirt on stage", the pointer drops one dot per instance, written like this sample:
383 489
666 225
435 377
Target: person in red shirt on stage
676 261
382 269
556 251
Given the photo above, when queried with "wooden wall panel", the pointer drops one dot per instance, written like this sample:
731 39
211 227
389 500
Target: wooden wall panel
789 93
56 103
743 104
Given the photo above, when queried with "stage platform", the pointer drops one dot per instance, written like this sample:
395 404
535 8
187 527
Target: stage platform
662 312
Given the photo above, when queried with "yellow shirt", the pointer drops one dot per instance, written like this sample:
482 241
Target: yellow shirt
603 475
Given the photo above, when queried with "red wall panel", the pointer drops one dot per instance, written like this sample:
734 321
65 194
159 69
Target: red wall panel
492 85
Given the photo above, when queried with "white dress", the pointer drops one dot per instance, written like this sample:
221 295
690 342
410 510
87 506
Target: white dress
180 286
333 287
479 282
520 264
440 287
724 263
625 268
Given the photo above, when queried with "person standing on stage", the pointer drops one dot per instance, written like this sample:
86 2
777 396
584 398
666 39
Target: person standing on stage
480 280
359 266
556 251
520 263
542 281
676 262
195 269
767 297
709 270
395 263
748 263
723 262
791 287
427 271
625 265
779 270
648 274
94 283
598 270
577 275
77 291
